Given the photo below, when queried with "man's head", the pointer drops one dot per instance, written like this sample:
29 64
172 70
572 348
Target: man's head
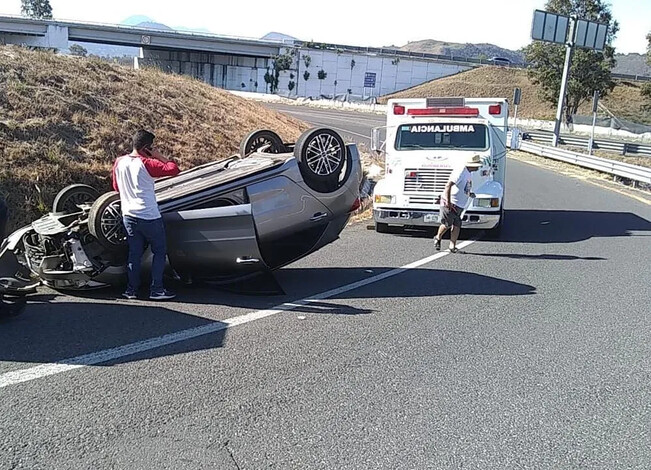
143 140
473 163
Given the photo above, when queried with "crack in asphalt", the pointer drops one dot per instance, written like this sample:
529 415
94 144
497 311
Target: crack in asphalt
230 452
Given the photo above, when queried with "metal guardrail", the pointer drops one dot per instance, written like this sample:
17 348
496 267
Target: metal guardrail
622 148
613 167
635 78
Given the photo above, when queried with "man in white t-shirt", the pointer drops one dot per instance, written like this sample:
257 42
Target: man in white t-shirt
133 178
454 200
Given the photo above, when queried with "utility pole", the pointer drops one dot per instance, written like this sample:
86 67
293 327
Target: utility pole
595 105
569 49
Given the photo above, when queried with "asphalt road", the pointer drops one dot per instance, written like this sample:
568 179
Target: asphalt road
528 352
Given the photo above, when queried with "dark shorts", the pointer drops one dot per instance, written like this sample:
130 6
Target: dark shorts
451 217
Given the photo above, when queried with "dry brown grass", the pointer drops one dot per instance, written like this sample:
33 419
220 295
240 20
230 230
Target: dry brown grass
64 120
625 101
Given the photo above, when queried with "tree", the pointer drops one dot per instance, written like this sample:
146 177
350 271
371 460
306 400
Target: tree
39 9
78 50
646 88
321 75
281 63
590 70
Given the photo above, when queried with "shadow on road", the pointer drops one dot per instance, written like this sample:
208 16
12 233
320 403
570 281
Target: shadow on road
53 331
538 257
553 226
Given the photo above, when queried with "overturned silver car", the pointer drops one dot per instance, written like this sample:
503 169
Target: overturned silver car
256 211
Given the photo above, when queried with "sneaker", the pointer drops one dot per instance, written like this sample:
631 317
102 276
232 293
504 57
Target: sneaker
129 294
163 294
437 244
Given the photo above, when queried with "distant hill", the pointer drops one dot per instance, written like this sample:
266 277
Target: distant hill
274 36
108 50
141 21
632 64
476 51
136 19
154 25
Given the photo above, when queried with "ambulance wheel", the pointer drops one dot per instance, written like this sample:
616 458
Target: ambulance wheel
496 232
68 200
105 221
322 158
258 139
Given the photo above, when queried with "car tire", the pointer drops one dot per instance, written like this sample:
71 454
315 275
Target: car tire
105 221
68 198
322 157
258 139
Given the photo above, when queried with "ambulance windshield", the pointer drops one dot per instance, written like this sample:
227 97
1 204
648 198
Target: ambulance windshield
442 136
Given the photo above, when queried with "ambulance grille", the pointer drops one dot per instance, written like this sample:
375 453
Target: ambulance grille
422 200
428 180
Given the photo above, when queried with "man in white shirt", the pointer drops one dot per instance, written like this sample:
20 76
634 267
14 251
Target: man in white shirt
454 200
133 178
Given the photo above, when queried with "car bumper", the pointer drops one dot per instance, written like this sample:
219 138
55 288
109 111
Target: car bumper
430 218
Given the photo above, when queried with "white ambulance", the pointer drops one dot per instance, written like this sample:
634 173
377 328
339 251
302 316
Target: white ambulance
426 138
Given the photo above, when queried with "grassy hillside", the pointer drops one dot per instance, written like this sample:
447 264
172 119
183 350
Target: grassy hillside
625 101
64 120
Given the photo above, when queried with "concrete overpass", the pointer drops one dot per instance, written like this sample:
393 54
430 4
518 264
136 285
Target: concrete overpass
242 63
56 34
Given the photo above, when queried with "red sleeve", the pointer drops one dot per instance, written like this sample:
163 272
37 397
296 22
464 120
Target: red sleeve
115 183
157 169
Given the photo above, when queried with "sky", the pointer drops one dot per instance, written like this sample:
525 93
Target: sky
506 23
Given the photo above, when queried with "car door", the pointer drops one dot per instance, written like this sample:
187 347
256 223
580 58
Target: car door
213 242
288 219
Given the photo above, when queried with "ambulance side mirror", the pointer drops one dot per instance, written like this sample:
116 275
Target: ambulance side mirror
376 144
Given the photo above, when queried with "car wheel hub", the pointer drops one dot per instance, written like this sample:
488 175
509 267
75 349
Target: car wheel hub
111 224
324 155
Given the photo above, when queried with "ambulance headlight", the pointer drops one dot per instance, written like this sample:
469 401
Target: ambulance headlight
384 199
487 202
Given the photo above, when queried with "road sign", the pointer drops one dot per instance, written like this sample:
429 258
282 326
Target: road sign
369 80
590 35
517 93
571 31
549 27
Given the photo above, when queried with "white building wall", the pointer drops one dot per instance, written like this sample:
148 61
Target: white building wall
392 73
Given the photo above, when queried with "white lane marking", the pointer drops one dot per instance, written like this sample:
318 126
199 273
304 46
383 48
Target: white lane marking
45 370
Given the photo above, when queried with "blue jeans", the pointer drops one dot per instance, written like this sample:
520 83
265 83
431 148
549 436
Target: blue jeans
140 231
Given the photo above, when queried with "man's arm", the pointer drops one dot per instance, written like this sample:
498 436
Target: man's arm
446 194
114 180
159 166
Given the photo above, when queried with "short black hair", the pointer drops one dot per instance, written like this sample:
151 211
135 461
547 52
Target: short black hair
142 139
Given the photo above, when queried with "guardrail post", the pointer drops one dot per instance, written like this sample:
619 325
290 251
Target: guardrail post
624 148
